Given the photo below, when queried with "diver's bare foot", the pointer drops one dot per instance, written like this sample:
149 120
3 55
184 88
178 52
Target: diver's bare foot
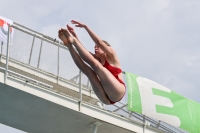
65 36
62 37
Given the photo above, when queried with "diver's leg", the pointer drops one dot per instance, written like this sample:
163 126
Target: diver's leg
95 83
113 88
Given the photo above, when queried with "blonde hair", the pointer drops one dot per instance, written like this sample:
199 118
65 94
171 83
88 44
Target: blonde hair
106 43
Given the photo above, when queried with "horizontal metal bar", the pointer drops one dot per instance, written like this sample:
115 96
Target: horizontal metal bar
45 36
42 38
27 28
30 79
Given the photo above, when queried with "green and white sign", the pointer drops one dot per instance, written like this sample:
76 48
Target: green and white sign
154 100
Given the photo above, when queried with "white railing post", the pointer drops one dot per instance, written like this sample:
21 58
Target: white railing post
144 122
7 54
40 54
158 124
80 90
58 65
31 50
1 51
95 129
95 126
1 47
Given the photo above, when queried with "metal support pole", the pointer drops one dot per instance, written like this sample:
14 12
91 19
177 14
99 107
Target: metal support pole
58 63
7 54
31 50
95 129
40 54
1 50
96 125
88 81
144 122
130 114
1 47
158 124
90 92
80 90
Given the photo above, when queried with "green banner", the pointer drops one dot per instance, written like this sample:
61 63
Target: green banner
154 100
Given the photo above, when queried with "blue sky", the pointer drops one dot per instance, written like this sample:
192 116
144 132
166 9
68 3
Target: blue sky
156 39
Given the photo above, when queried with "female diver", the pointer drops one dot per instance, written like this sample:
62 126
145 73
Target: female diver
104 73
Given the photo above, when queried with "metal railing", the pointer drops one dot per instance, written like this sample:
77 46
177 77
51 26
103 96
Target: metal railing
47 54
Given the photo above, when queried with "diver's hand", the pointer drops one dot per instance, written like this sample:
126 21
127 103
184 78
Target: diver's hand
78 24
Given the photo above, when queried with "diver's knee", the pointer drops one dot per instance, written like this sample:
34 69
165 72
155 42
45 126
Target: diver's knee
96 66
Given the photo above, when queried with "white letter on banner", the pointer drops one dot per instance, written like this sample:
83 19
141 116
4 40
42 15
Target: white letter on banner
149 101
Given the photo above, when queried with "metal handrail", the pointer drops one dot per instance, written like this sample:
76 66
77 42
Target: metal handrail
27 78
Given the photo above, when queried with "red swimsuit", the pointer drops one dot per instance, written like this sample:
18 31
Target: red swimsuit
115 72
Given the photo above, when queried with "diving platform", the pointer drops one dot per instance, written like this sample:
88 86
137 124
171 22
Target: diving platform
42 91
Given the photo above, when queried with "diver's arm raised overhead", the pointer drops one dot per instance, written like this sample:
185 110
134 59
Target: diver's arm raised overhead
71 30
108 50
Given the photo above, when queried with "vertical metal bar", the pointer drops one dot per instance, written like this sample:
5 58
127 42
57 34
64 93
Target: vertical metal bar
158 124
58 59
40 54
10 48
144 122
58 63
130 114
144 118
95 128
88 83
7 54
90 92
1 51
80 90
1 47
80 85
31 50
